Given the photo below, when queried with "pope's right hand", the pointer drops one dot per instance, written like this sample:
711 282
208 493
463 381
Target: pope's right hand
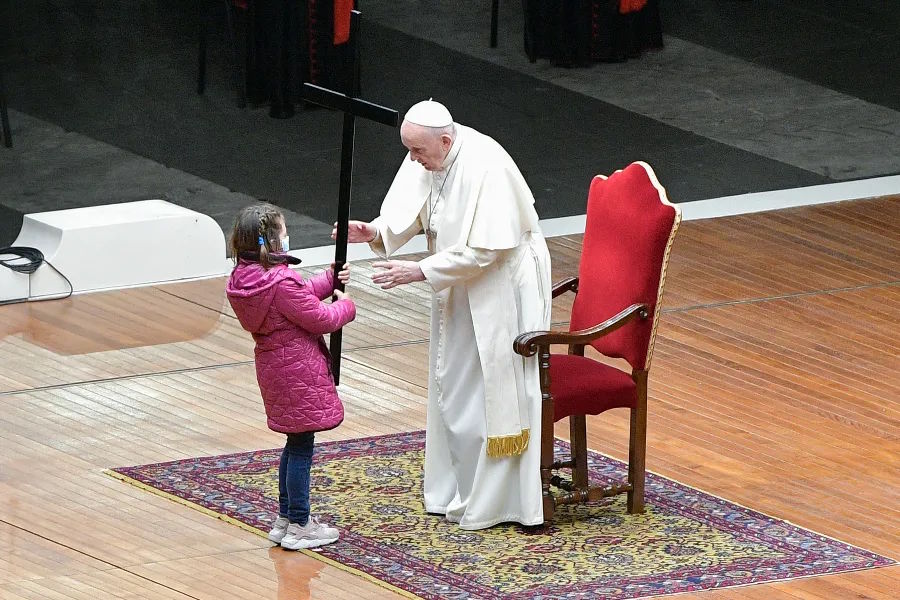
357 232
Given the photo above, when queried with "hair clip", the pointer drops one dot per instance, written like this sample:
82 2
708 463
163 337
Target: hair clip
262 242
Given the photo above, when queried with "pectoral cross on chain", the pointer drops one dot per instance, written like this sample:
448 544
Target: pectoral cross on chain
432 203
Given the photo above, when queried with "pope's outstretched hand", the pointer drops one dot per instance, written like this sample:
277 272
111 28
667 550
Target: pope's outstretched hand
357 232
396 272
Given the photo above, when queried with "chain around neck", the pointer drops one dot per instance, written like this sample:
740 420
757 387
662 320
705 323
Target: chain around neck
433 203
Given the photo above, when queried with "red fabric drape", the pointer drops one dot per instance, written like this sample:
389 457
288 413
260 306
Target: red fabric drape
342 10
630 6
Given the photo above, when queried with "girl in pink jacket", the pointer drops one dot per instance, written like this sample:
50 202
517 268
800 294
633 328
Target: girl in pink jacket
287 317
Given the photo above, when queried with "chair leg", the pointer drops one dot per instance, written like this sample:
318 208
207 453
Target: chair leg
249 44
547 413
547 458
530 50
549 506
201 47
578 445
495 10
4 114
637 447
236 70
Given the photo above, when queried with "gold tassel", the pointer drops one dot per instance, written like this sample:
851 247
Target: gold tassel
508 445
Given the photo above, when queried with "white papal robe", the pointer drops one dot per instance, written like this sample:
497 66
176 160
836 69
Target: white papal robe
489 270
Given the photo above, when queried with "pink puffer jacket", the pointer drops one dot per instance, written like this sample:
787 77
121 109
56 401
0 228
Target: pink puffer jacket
287 318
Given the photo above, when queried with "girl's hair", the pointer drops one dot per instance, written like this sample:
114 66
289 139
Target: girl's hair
255 223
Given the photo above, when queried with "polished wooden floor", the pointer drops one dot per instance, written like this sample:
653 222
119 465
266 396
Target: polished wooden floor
775 384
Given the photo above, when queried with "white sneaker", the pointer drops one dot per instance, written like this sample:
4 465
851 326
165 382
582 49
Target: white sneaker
279 529
311 535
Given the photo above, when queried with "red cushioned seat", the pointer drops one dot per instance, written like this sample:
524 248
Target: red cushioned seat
583 386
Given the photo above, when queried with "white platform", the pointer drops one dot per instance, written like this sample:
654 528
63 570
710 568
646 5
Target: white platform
115 246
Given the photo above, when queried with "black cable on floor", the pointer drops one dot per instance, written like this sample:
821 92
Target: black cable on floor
32 256
27 260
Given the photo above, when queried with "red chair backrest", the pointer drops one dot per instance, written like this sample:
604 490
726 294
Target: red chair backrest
629 230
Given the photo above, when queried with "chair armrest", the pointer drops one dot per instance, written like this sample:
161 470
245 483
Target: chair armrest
527 344
566 285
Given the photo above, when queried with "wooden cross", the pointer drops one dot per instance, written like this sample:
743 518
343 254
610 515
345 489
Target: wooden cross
352 107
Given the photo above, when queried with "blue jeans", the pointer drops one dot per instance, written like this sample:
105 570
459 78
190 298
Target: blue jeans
293 477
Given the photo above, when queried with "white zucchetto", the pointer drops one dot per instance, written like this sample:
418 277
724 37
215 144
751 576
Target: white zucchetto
429 113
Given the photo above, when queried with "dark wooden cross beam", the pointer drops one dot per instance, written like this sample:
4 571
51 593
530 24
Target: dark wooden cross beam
352 107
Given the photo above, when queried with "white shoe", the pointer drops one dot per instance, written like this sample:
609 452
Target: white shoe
311 535
279 529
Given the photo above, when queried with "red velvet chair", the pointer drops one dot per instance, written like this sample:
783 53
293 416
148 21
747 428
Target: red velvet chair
629 232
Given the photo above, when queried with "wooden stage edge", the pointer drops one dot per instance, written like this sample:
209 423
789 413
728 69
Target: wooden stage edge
775 385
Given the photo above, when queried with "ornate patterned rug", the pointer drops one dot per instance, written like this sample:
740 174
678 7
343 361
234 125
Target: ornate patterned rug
686 540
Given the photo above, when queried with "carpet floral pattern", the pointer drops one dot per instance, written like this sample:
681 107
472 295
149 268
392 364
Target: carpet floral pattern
371 489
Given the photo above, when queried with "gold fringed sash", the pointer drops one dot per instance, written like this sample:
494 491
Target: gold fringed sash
508 445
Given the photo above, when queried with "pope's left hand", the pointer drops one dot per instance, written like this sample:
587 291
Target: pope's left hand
397 272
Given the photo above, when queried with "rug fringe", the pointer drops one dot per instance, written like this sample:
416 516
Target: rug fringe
259 532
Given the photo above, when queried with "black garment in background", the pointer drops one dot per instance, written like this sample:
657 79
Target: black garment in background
649 27
290 42
558 30
574 33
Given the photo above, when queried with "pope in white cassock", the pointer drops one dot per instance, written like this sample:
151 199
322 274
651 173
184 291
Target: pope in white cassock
489 270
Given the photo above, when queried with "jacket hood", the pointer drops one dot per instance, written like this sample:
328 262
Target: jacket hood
251 291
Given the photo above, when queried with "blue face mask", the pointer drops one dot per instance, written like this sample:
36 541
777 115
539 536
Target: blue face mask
286 243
